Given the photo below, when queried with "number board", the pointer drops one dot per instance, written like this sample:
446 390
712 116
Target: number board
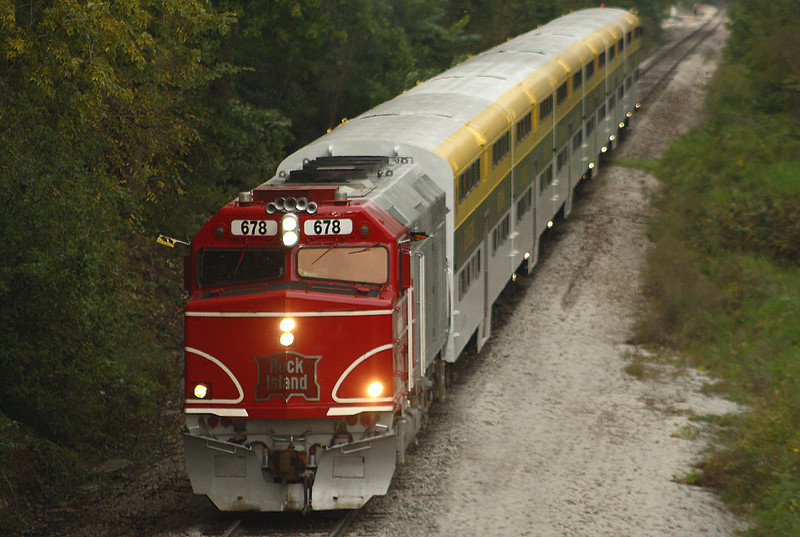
340 226
254 228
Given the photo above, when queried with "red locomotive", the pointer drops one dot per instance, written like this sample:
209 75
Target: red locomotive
298 332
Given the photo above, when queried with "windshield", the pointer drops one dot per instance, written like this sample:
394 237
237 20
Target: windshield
229 266
359 264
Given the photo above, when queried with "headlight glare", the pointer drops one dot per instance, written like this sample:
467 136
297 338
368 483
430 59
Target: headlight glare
202 390
289 222
375 389
287 339
290 230
290 238
287 324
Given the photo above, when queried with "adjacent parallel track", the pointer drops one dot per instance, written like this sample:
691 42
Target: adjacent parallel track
656 70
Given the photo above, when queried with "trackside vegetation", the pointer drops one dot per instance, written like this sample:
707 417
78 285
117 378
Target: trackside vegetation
724 275
123 119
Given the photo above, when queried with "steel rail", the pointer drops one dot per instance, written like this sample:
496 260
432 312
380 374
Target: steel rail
344 524
661 57
339 529
233 529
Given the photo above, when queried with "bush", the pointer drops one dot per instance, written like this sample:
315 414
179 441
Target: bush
32 471
724 286
679 294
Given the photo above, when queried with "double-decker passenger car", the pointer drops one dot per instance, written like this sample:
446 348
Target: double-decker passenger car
325 304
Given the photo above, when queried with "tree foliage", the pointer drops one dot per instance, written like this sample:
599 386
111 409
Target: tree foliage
764 41
318 60
96 118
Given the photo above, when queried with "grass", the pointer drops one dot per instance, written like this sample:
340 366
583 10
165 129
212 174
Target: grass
687 432
641 368
723 282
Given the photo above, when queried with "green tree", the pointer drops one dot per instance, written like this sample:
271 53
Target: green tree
764 38
97 116
318 61
496 22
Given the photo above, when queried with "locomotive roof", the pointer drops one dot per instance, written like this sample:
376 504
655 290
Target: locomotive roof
427 115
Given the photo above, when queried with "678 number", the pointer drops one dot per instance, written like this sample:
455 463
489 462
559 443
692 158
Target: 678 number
327 227
254 227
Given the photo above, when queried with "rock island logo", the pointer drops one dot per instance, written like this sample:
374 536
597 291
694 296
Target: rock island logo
286 374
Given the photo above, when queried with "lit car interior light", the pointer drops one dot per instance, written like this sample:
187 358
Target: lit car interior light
375 389
201 390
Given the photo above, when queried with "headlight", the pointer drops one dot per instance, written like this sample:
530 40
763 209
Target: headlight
286 325
375 389
368 379
287 339
290 238
202 390
290 230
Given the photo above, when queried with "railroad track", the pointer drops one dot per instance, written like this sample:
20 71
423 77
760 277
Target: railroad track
317 524
656 70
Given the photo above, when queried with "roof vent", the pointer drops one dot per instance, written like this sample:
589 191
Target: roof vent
338 169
